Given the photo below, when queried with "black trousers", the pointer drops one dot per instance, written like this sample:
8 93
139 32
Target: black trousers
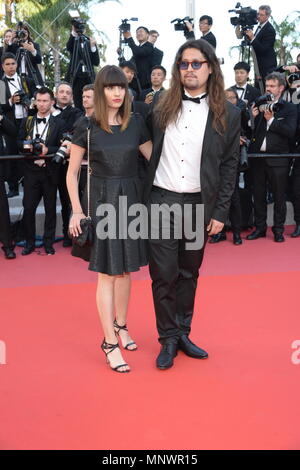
16 169
64 199
5 234
296 190
277 177
235 211
174 269
38 185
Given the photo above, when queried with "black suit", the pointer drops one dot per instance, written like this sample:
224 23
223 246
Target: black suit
296 173
75 73
142 57
251 93
69 115
173 268
278 140
263 45
157 56
209 37
41 181
34 61
6 127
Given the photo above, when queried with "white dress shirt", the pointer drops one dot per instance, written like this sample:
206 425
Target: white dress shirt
179 166
16 85
263 147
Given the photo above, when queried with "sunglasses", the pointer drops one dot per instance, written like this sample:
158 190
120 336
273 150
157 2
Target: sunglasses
196 64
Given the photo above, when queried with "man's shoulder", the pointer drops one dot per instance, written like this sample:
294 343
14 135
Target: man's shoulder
232 110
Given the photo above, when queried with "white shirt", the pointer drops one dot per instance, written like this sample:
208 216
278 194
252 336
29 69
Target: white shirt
57 112
263 147
39 128
259 28
241 93
179 166
16 85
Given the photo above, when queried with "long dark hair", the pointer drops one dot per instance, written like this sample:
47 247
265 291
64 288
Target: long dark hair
169 106
110 75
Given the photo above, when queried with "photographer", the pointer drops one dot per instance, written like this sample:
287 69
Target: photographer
28 54
157 55
7 41
15 105
158 76
142 55
6 128
42 135
245 91
69 114
262 42
205 24
84 56
275 127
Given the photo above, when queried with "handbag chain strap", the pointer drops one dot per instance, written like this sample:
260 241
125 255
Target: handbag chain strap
88 173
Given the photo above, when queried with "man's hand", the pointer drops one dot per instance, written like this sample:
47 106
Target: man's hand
189 26
93 42
15 99
149 98
243 140
255 110
268 115
291 68
214 227
249 33
44 149
127 34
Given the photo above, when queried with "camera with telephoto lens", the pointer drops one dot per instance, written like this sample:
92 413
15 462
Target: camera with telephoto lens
293 77
247 17
125 26
264 103
180 24
79 25
37 147
24 98
62 153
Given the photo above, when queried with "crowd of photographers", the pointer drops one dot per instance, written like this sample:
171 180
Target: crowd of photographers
36 124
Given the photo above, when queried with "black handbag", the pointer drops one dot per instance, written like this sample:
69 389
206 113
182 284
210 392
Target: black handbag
86 237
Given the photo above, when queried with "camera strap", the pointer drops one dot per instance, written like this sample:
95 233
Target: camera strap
44 130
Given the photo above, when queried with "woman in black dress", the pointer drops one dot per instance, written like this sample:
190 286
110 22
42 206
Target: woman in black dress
116 137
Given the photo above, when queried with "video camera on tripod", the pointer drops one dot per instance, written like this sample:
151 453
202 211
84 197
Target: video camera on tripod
21 34
79 25
123 28
246 19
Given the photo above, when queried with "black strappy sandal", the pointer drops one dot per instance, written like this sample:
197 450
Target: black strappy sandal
124 327
112 347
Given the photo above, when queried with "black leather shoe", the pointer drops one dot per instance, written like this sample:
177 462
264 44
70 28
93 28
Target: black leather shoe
190 349
49 250
27 250
278 237
167 353
67 242
237 239
219 237
296 232
9 252
12 193
256 234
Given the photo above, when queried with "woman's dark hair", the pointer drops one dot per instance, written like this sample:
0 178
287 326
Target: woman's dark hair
169 106
110 75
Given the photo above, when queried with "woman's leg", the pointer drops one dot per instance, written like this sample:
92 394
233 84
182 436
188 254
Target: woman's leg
105 305
121 295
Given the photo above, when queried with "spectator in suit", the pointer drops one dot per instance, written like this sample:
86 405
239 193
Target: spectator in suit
14 109
246 92
6 127
157 55
28 55
274 132
76 73
262 42
129 69
41 176
69 114
142 55
205 24
158 76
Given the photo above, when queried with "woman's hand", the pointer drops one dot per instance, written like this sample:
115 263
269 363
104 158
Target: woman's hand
74 224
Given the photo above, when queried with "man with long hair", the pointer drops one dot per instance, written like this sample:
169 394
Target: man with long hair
194 163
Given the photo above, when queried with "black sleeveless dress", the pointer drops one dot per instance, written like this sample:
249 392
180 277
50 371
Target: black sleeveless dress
115 186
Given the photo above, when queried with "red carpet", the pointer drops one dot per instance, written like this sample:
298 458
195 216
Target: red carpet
56 392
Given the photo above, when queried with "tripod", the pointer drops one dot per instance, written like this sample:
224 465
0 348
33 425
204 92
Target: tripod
245 55
81 60
23 54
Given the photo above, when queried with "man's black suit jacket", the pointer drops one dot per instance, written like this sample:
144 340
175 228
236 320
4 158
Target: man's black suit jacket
7 128
280 135
157 57
142 57
219 160
52 140
209 37
263 45
27 85
251 93
35 60
70 115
